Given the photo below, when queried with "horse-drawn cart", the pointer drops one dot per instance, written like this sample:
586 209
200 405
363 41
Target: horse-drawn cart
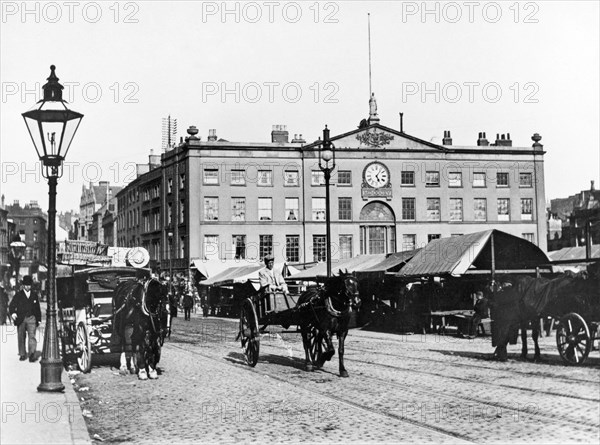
572 299
85 310
318 313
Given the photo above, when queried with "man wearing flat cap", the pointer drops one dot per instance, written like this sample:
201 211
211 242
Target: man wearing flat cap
270 278
25 312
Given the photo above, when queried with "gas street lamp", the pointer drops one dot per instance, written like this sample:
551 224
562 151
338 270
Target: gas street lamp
327 165
52 126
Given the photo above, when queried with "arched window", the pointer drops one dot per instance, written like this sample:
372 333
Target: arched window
378 228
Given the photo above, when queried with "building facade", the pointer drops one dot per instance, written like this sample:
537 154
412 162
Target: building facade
30 225
5 237
579 215
390 191
138 220
92 198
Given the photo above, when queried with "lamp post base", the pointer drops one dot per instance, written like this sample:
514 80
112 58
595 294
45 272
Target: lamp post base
51 376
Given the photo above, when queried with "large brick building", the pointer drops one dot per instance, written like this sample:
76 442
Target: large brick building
30 224
391 191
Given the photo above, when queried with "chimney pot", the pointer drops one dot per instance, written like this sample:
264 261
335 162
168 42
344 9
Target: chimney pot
447 138
279 134
592 188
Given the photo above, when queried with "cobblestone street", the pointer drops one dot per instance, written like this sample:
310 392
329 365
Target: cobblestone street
402 388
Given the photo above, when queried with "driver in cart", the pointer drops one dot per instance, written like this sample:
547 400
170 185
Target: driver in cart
270 279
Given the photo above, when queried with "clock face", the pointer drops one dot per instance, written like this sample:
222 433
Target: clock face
377 175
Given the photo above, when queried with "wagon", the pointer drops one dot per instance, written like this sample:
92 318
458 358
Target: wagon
85 311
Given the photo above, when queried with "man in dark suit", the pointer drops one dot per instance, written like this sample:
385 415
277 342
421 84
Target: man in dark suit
25 312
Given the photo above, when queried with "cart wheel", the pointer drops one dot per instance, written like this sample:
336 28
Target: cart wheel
316 346
83 348
573 339
249 332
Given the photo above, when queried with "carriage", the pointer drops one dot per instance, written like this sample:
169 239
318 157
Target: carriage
318 313
85 310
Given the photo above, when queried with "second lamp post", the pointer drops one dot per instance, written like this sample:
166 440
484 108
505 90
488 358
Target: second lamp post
327 165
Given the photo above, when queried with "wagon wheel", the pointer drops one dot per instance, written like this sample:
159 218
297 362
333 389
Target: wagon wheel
573 339
249 332
317 345
83 348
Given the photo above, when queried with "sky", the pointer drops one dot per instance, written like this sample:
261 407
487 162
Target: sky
241 67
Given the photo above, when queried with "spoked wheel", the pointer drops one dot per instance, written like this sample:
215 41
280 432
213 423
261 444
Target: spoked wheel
249 332
573 339
317 346
83 348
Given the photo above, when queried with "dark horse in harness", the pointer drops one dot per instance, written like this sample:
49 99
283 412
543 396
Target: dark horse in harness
326 311
140 324
524 300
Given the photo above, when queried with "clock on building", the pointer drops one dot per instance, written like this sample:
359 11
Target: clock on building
376 175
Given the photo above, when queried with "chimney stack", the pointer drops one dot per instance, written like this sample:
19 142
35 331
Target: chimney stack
503 140
298 139
447 138
212 135
482 140
592 188
279 134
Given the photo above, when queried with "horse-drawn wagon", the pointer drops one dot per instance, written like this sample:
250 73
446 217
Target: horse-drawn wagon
571 299
318 313
85 310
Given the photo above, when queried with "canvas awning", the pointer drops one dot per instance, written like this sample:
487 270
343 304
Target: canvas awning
210 268
231 276
241 274
472 253
574 253
356 264
393 261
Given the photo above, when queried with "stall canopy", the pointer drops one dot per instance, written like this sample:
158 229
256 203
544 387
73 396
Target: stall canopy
242 274
392 263
356 264
472 254
210 268
574 253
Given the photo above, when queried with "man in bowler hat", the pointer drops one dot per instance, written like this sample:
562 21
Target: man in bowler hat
25 312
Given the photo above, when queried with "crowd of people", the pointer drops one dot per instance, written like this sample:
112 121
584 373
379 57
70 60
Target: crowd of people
182 295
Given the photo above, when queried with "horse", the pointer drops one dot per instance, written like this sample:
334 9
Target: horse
525 300
326 311
140 324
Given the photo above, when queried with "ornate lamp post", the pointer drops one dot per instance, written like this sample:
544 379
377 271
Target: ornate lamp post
52 126
17 249
327 165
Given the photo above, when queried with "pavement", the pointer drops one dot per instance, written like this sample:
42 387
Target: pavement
29 416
